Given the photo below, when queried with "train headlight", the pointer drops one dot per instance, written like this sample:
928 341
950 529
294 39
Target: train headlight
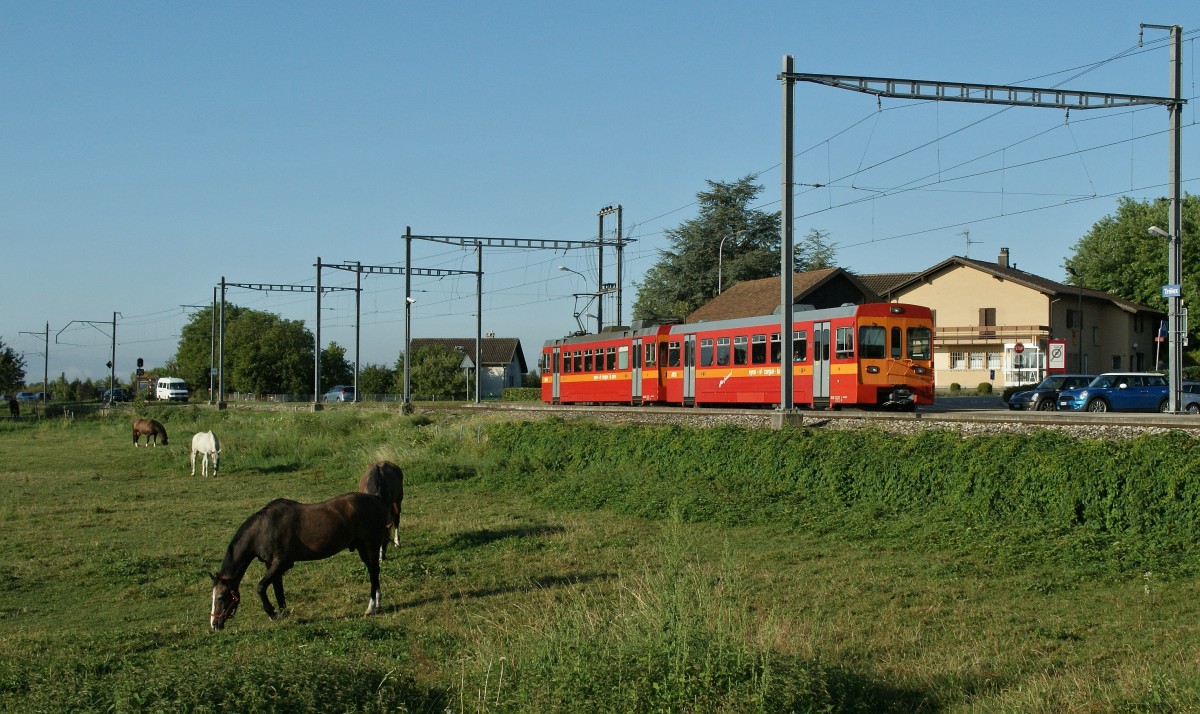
872 370
919 370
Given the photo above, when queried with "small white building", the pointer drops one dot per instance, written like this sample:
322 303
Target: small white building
502 359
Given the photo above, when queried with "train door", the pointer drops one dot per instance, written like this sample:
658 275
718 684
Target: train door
555 362
820 361
689 370
636 371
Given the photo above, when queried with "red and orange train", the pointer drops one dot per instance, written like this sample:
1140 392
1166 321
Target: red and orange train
873 355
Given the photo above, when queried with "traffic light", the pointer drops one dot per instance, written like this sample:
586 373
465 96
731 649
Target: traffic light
140 365
108 364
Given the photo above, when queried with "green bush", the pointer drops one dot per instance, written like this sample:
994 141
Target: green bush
521 394
1142 495
955 388
984 388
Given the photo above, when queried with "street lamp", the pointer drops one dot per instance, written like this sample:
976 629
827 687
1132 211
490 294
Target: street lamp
720 257
1175 331
1079 290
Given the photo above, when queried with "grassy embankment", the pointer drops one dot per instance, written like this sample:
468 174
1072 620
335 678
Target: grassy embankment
573 574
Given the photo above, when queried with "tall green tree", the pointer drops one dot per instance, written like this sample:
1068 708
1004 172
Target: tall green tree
264 353
1119 256
727 242
376 379
335 368
434 372
196 350
12 368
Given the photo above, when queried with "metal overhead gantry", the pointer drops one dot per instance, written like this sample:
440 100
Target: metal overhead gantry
274 287
1012 96
479 242
359 269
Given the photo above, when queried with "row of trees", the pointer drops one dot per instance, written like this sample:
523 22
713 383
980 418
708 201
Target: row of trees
266 354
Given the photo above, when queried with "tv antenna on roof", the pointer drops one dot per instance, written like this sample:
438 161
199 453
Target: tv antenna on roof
966 234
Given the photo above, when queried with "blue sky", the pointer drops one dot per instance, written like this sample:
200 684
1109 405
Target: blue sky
148 149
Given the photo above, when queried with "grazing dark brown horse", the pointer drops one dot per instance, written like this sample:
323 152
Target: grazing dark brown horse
14 408
386 480
151 429
285 532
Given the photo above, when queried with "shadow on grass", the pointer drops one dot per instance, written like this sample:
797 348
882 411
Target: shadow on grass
484 536
545 581
856 691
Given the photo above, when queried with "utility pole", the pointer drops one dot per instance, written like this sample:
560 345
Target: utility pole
45 366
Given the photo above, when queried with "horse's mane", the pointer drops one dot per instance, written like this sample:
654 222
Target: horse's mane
235 562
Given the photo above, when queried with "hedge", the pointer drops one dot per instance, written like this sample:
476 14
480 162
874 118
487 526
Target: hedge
1147 488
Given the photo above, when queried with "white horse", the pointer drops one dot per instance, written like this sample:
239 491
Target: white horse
205 443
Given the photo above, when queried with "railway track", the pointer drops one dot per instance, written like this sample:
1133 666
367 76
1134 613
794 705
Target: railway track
979 420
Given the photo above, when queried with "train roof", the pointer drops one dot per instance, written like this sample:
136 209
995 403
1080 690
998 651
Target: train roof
881 309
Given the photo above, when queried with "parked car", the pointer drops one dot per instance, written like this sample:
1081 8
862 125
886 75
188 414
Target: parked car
27 397
1189 397
118 395
1118 391
1044 397
40 396
340 393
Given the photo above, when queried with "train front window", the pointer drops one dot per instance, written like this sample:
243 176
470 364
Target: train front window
758 349
872 342
919 342
740 352
722 351
897 344
799 346
845 343
673 354
706 352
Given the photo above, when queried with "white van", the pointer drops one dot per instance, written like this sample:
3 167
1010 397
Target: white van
171 389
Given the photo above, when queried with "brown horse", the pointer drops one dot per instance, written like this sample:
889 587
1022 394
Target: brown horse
285 532
14 408
151 429
385 480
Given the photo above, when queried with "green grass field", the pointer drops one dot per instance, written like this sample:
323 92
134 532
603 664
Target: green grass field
495 602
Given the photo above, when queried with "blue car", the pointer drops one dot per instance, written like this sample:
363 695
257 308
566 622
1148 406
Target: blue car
1118 392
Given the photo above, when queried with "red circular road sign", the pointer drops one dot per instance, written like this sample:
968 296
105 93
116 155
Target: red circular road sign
1018 348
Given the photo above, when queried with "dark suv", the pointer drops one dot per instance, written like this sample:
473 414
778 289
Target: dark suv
118 395
1044 397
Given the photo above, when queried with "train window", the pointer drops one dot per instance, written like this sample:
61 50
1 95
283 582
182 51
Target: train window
872 342
799 346
557 357
919 342
578 359
722 351
650 354
775 348
610 359
740 351
623 358
706 352
845 343
673 354
758 349
587 360
689 353
896 343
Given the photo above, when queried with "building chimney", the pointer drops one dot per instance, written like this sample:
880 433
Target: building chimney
1002 261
